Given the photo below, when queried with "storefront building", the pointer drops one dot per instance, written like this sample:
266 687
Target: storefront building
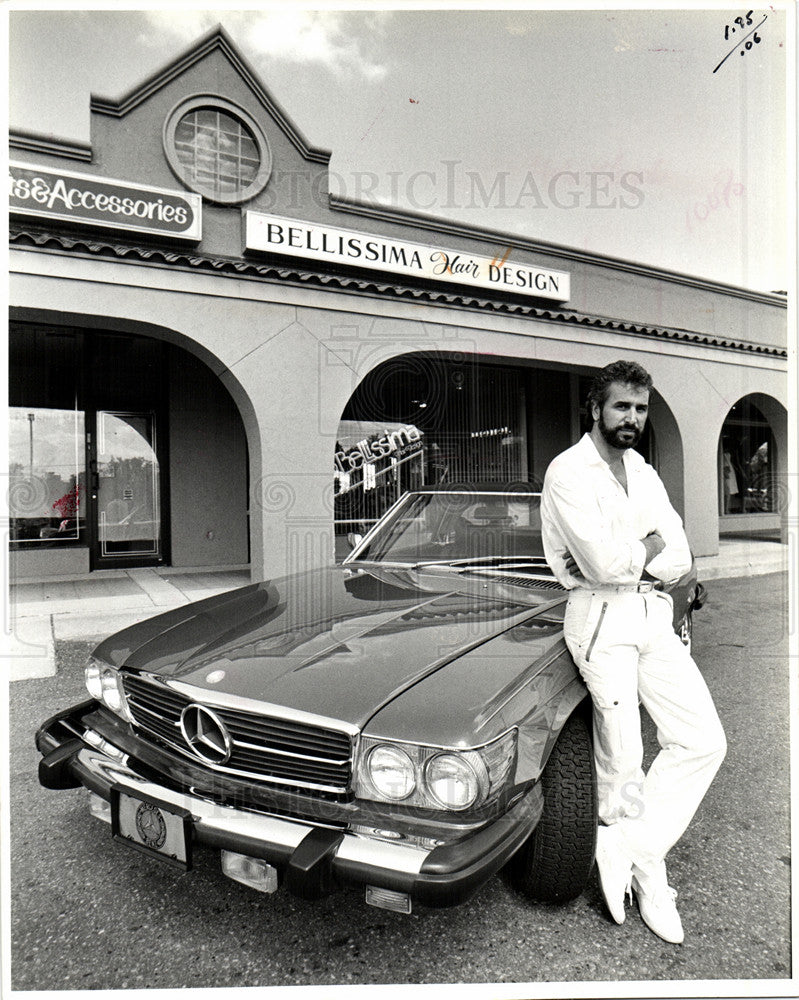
216 363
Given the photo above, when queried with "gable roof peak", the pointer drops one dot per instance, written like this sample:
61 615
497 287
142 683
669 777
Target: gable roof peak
216 38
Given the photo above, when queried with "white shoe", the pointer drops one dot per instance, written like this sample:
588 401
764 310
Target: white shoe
656 901
615 870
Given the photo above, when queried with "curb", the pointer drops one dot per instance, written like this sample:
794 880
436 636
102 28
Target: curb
29 650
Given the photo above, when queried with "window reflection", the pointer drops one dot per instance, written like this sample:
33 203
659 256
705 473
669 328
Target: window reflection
47 494
127 484
746 462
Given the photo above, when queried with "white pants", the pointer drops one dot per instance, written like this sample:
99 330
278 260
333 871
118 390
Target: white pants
625 648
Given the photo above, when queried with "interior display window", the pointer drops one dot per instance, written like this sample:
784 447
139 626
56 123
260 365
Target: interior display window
746 462
46 433
374 464
47 491
418 421
85 468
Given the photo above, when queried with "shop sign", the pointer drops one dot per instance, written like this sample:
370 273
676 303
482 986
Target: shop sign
45 192
369 450
294 238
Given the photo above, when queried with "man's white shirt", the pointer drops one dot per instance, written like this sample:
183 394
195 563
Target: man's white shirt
586 511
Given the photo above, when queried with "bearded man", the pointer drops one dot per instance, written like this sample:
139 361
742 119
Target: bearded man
612 539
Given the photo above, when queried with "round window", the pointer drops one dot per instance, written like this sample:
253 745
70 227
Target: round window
216 149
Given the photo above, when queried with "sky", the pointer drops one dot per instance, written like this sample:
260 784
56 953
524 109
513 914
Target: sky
604 130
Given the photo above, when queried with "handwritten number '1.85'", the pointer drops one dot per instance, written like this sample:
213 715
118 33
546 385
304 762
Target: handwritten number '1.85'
745 42
742 24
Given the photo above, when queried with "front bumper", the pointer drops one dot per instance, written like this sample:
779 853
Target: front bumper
311 855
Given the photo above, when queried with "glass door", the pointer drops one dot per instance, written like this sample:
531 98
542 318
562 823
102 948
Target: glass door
126 490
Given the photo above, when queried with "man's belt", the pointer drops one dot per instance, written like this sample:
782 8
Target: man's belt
642 587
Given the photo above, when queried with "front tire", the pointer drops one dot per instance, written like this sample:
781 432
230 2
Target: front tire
554 864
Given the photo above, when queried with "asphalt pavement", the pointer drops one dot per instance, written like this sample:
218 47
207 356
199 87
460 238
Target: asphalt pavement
88 913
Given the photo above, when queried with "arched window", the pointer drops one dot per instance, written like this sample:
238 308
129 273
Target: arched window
419 420
747 462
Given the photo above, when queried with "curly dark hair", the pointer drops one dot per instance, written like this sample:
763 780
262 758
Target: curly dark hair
626 372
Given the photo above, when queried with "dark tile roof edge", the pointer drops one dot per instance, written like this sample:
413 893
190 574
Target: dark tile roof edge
42 240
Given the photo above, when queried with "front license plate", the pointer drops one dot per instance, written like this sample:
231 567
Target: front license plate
150 826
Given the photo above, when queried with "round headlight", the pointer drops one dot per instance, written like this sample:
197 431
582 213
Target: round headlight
391 772
111 693
92 677
452 780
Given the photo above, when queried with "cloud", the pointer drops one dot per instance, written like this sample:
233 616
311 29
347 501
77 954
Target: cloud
347 43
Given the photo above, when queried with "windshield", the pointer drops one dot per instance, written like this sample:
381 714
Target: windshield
464 526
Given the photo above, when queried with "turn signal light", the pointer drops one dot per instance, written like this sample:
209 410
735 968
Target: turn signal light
388 899
254 872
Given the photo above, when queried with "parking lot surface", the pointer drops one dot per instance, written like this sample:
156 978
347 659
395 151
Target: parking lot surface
88 913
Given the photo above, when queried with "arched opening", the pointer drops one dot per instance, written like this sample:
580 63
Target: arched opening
427 419
749 459
126 450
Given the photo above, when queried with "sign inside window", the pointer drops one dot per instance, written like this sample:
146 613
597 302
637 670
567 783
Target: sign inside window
369 450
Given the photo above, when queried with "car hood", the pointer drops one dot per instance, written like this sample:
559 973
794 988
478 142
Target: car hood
330 642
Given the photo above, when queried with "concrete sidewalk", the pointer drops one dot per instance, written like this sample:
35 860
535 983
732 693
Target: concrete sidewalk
41 614
744 557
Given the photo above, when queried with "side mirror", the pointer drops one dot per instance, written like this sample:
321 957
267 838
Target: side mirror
353 539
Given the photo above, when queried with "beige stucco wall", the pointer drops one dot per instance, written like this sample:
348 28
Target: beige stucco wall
207 468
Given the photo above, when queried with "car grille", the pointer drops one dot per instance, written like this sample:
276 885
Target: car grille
269 749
